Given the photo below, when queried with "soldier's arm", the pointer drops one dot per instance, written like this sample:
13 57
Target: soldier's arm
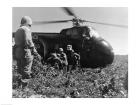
59 60
77 56
30 43
32 46
65 56
28 38
66 61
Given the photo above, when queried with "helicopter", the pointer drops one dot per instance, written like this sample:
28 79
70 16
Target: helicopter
85 40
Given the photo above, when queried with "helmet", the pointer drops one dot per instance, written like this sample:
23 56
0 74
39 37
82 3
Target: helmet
53 55
61 49
26 20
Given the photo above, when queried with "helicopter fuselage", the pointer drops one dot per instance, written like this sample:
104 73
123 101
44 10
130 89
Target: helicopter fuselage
94 50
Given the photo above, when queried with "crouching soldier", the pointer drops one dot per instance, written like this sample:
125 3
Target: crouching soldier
72 57
63 59
54 61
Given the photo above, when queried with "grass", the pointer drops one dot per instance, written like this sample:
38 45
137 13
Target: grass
47 82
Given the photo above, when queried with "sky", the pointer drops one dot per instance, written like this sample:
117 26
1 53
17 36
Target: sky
116 36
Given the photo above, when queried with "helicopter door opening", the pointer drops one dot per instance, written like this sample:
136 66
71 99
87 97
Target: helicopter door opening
40 48
39 45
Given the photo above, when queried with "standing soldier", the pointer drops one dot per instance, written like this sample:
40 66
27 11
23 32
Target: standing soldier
63 58
24 48
73 58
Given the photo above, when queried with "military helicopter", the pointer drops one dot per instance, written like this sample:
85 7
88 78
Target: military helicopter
93 49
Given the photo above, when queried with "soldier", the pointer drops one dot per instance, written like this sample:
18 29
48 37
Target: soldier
63 58
24 48
54 61
72 57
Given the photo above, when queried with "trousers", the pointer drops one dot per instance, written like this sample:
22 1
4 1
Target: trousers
24 62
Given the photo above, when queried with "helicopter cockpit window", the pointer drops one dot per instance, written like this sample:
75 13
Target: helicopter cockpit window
93 33
72 32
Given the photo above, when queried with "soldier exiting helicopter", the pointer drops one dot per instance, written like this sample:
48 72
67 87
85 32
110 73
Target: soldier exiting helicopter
63 58
73 58
24 48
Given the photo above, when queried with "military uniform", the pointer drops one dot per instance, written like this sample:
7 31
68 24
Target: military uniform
73 59
54 61
24 49
63 59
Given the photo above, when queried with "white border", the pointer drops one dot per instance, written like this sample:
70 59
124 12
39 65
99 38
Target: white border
6 42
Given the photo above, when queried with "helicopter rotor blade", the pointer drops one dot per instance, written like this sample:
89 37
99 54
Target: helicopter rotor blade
114 25
69 11
49 22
